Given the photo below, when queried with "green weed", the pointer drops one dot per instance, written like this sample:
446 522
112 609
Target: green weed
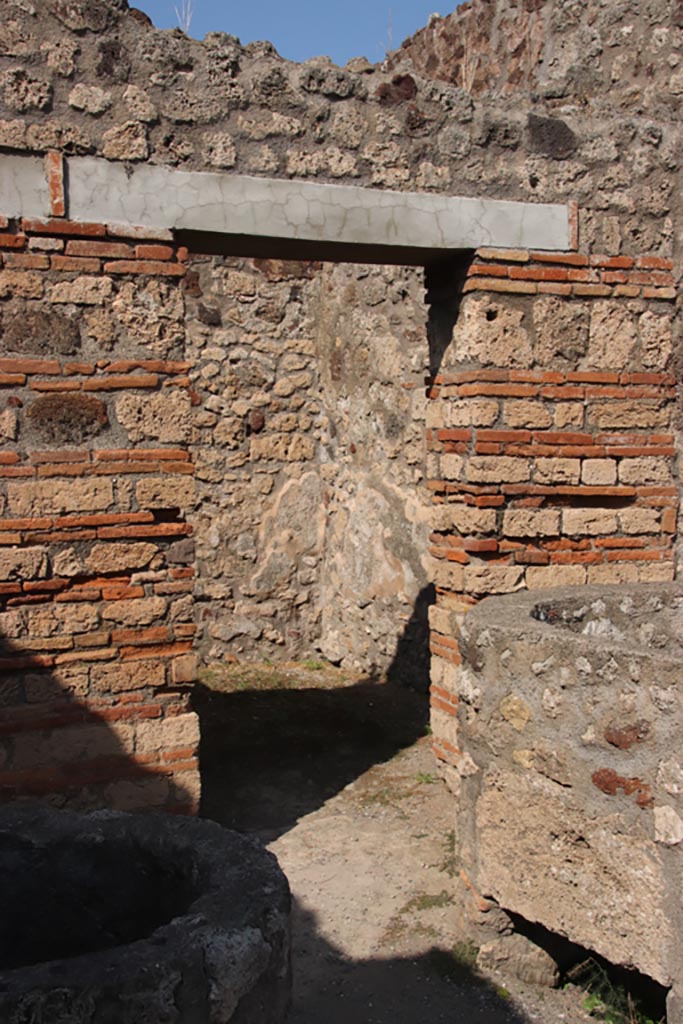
606 1000
426 901
458 964
386 797
465 953
449 865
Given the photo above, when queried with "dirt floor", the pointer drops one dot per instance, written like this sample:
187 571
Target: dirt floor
338 778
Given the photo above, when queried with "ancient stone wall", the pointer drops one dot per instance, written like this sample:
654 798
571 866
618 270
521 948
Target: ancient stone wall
312 523
551 430
570 811
292 390
96 561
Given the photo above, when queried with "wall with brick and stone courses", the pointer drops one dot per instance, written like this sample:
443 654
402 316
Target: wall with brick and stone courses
554 437
221 369
550 412
96 568
551 432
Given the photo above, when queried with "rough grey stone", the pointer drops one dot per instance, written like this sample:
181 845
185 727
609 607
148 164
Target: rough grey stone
570 814
551 136
42 331
67 418
141 917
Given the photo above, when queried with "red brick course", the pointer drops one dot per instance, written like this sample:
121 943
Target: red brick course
572 505
106 627
500 271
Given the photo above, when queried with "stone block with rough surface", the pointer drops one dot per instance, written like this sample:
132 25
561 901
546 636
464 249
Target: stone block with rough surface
570 809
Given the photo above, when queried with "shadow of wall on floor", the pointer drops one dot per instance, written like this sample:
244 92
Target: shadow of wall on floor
269 757
438 985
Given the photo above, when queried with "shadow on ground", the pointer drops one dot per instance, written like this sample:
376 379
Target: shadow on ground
279 742
438 986
269 757
274 750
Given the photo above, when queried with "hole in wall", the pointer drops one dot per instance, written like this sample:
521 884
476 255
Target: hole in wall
611 992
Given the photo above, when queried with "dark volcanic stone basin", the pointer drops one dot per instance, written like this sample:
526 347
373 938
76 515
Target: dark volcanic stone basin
117 918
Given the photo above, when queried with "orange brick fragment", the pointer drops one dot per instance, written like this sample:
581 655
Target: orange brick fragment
27 366
504 435
107 250
41 226
553 288
74 264
654 263
54 171
151 365
505 390
614 277
487 270
80 369
151 267
156 530
582 276
595 291
537 377
182 574
613 262
26 261
160 651
569 259
153 252
538 273
627 291
652 277
486 284
55 385
562 393
648 378
97 519
473 376
142 380
9 240
442 705
508 255
636 556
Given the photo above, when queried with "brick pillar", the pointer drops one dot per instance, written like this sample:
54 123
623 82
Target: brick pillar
550 433
96 561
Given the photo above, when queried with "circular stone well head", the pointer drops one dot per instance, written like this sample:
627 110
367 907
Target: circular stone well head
146 919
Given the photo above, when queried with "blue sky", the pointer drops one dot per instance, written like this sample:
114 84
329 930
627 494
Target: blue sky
306 28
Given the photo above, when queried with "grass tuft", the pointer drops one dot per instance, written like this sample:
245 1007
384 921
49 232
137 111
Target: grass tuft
606 1000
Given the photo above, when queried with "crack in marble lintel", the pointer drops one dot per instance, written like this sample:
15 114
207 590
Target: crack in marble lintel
232 204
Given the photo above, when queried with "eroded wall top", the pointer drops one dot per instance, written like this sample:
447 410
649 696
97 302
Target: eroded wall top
538 102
